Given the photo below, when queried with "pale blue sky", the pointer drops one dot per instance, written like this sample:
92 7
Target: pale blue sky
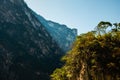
81 14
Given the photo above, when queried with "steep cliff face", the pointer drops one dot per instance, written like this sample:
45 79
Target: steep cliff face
27 51
63 35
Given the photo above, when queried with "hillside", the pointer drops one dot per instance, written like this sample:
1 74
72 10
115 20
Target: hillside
63 35
27 51
94 56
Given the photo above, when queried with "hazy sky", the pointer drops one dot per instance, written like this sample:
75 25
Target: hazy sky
81 14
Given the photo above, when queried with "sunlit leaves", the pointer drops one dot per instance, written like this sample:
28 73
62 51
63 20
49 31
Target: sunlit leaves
100 55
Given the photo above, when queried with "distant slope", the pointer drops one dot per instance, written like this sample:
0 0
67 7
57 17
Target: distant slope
27 51
63 35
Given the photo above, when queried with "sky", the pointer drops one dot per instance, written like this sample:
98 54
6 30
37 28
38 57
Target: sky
81 14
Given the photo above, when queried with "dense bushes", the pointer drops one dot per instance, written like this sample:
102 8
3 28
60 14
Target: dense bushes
95 56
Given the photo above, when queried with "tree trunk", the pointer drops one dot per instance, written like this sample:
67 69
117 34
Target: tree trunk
83 72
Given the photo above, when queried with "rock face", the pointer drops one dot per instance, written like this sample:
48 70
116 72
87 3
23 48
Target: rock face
27 51
63 35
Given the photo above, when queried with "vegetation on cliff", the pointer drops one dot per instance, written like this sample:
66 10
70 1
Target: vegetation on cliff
95 55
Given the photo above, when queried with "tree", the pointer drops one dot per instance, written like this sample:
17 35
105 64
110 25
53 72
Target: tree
117 27
102 26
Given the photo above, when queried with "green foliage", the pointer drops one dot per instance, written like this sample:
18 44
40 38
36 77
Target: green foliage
102 26
117 27
100 54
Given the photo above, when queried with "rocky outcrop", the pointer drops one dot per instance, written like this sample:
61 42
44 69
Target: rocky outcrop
63 35
27 50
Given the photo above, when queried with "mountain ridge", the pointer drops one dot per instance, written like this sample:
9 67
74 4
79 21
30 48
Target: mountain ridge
63 35
27 51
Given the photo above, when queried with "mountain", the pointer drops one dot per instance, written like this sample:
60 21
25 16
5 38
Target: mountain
27 50
63 35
